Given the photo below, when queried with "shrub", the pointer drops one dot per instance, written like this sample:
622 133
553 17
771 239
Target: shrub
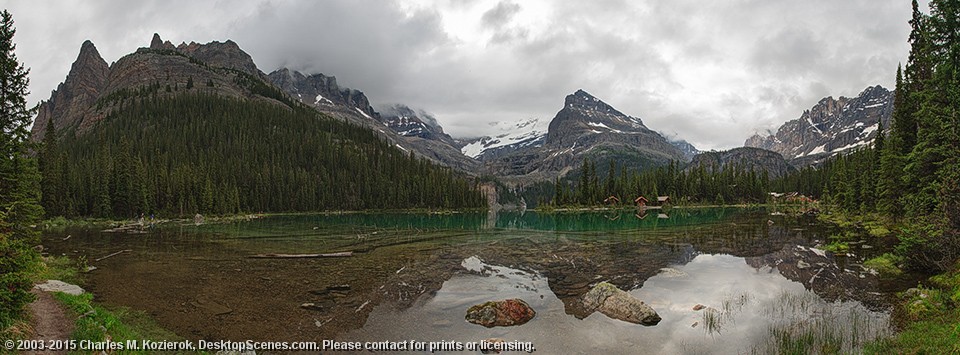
927 246
886 264
16 259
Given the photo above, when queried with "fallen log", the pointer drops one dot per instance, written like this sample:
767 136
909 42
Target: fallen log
114 254
302 256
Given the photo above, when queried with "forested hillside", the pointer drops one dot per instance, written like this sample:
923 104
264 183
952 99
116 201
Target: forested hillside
737 183
913 174
204 153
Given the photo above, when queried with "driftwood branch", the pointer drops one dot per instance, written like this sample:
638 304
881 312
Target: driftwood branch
302 256
114 254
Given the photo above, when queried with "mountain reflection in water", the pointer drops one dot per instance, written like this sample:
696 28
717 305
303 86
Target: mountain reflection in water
749 304
412 276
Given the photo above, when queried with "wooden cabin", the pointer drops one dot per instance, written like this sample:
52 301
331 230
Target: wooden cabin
663 200
612 200
641 201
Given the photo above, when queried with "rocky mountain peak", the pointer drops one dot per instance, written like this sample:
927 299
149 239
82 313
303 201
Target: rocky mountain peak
829 127
221 54
585 128
73 97
323 93
689 150
582 100
584 113
409 122
412 129
88 49
156 42
89 60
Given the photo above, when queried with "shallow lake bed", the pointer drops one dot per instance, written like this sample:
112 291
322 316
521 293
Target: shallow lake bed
760 278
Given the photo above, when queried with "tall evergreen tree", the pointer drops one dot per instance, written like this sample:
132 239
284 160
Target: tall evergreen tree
893 152
16 198
19 181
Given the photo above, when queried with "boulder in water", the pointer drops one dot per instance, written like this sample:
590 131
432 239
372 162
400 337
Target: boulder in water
503 313
617 304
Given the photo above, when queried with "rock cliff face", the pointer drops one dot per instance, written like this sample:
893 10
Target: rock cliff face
93 89
755 159
413 123
411 130
831 126
226 55
73 99
587 128
689 151
323 93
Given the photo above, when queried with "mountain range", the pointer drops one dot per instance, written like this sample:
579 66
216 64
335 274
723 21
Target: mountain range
533 149
584 128
830 127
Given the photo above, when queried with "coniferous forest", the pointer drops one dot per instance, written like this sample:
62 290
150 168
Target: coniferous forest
200 153
699 184
911 175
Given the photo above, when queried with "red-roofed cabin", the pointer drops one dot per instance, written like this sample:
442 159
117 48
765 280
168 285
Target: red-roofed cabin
612 200
641 201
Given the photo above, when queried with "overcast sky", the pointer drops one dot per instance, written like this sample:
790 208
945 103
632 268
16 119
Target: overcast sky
711 72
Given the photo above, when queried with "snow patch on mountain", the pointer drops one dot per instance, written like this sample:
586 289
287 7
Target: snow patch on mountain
529 133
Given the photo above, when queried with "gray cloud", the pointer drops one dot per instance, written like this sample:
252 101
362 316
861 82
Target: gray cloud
500 15
710 72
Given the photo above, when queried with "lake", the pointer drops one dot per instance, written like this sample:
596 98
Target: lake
764 283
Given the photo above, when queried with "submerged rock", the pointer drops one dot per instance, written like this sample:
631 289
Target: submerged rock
500 313
311 306
489 345
617 304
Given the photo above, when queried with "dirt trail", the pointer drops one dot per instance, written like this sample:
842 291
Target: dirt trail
50 321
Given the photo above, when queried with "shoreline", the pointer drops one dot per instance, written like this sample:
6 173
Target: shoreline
60 222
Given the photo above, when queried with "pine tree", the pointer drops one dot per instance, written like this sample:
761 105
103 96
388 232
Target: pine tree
51 174
19 181
610 183
893 152
937 97
15 117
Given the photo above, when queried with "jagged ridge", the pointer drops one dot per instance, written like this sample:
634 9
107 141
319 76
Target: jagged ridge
830 127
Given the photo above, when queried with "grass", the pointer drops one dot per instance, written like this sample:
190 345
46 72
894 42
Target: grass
837 247
937 335
933 320
870 223
95 322
808 325
714 320
60 268
929 317
98 323
887 264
